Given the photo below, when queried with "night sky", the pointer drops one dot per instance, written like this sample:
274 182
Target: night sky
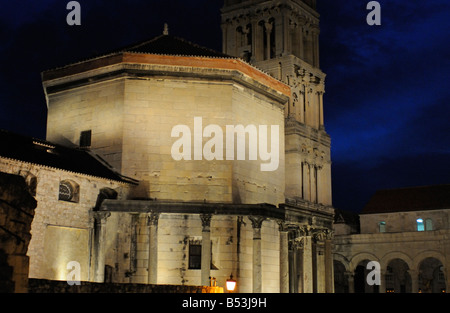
387 101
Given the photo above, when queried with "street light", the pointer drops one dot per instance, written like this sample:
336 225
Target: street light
231 284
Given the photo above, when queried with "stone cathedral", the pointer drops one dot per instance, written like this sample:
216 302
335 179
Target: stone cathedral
148 217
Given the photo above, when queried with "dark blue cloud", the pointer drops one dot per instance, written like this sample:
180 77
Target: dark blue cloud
387 96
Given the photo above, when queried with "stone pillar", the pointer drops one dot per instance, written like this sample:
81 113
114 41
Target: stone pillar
206 249
414 280
269 27
301 106
305 181
382 288
153 248
301 46
329 266
308 275
284 258
99 245
257 262
224 27
321 119
312 183
351 281
286 34
318 184
320 267
315 41
258 41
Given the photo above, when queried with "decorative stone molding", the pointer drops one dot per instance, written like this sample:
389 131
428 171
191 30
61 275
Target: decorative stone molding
153 218
206 221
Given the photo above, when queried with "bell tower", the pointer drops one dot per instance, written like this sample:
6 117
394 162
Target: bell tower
282 38
259 30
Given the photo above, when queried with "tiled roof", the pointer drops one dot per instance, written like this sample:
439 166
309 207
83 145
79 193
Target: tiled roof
409 199
171 45
41 152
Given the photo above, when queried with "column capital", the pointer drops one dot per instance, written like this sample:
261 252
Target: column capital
256 221
206 221
101 216
282 226
152 218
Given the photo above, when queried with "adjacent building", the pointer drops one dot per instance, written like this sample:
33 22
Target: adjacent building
407 232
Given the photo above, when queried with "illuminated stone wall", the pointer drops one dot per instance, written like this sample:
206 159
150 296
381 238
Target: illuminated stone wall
132 120
61 231
17 208
231 250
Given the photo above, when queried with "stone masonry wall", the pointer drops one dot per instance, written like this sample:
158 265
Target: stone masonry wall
61 230
16 214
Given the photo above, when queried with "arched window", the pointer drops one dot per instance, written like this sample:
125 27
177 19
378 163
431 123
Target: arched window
69 191
428 224
420 224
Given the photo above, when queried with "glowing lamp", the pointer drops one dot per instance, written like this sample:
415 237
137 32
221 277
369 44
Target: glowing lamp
231 284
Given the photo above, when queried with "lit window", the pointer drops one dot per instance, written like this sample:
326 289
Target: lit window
420 225
382 227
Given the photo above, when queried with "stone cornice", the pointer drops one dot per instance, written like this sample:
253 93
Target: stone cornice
148 66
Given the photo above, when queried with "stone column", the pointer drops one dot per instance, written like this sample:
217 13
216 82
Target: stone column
329 266
320 267
258 41
269 27
206 249
414 280
308 274
301 106
257 262
351 281
316 49
224 27
382 288
321 119
318 184
301 47
284 258
305 181
99 245
153 248
312 183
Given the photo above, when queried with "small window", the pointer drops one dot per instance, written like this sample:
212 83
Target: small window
195 256
420 225
85 139
382 227
428 224
68 191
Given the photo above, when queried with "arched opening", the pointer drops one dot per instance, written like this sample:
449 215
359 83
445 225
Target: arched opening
360 279
397 278
431 276
340 278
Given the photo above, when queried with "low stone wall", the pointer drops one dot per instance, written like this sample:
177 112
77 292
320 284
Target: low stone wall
49 286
